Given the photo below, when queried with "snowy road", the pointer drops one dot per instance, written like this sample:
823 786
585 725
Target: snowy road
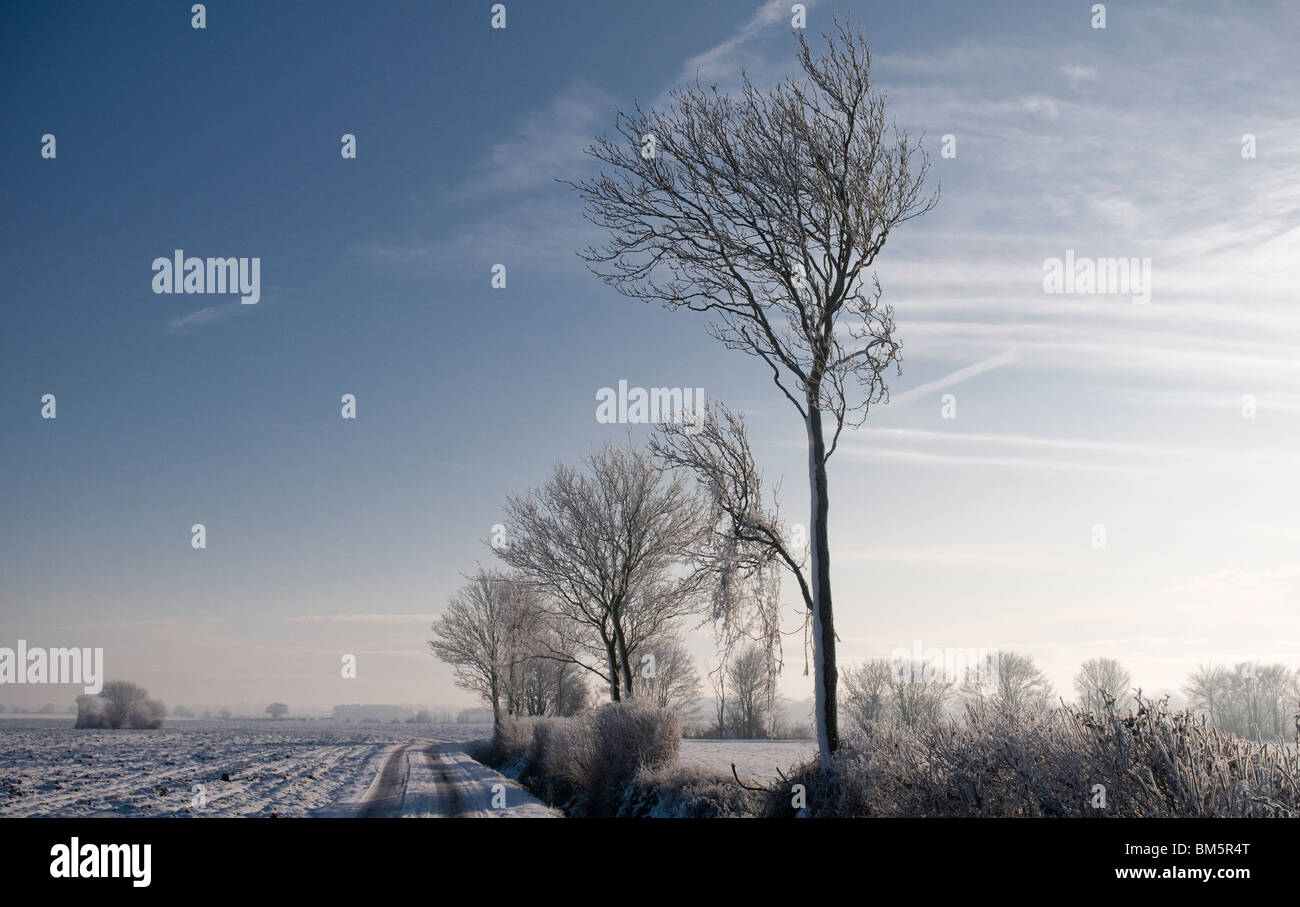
440 780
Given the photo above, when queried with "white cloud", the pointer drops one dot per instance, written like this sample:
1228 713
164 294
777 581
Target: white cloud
548 144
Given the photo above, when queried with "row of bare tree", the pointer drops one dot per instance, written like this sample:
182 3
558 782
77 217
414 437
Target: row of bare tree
1254 701
494 635
605 566
1251 700
886 690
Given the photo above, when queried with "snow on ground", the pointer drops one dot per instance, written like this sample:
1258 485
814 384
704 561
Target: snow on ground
759 759
442 781
291 768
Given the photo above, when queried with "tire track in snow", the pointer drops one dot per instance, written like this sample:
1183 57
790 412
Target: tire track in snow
440 780
388 795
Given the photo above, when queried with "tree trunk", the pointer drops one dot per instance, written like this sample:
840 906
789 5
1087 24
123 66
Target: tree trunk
612 660
624 664
559 691
825 674
722 708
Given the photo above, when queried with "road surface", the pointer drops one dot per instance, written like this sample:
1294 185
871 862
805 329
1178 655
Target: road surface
440 780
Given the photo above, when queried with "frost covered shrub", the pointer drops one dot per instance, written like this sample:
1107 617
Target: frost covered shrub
512 740
586 763
120 705
619 739
555 744
687 792
1152 763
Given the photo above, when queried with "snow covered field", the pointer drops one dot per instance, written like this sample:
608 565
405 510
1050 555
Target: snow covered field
291 768
759 759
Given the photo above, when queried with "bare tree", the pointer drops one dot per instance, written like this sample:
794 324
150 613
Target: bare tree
1101 680
673 683
551 685
485 636
751 693
1017 684
918 692
718 680
867 691
540 686
277 710
767 210
1207 691
607 546
574 693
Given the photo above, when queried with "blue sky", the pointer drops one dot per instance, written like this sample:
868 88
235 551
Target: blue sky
327 536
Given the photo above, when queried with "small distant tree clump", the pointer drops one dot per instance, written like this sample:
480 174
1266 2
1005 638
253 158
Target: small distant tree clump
1017 685
751 690
1100 680
867 693
120 705
277 710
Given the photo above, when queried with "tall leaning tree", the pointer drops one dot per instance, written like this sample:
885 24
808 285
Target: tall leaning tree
766 210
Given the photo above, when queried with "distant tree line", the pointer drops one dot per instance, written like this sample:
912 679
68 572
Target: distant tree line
1248 699
1259 702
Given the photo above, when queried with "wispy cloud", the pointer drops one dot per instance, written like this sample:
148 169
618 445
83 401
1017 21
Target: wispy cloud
544 234
147 623
362 619
722 63
547 144
1031 452
1076 74
200 317
978 556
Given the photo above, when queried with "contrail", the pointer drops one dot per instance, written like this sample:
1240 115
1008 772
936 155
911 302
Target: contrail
956 377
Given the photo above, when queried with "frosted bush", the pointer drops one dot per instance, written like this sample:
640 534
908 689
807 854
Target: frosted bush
120 705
